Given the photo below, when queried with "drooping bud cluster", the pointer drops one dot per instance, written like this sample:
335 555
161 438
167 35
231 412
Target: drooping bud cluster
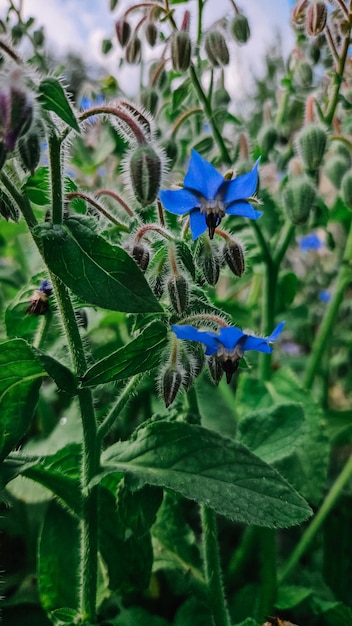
145 170
216 48
178 290
240 28
208 261
234 256
311 144
311 15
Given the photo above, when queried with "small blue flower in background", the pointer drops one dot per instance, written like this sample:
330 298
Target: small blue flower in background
324 296
229 344
310 242
207 196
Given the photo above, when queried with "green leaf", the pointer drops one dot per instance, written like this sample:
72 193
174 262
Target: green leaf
302 457
136 616
140 355
211 469
98 272
53 98
64 617
36 187
289 596
58 559
62 375
20 379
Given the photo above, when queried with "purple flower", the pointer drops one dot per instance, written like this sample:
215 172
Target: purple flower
207 196
229 345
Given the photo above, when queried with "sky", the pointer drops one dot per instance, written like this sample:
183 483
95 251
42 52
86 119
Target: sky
81 25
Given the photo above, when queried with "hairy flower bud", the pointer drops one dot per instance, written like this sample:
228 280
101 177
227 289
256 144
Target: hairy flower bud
298 198
145 174
267 138
134 50
221 97
216 48
234 257
181 50
178 290
299 12
8 209
317 14
123 32
209 263
240 28
304 74
150 99
311 146
29 148
170 383
141 255
16 110
39 302
335 169
346 189
171 151
151 33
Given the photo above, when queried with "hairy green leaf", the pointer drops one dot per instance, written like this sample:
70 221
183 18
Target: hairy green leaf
20 379
96 271
140 355
53 98
213 470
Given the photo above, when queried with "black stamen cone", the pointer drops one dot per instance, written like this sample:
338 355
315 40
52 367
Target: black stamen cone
212 220
230 367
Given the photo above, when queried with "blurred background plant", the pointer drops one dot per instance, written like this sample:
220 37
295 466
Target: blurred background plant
82 167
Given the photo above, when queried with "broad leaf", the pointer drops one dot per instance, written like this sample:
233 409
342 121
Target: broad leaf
140 355
53 98
98 272
63 377
37 188
211 469
20 379
58 559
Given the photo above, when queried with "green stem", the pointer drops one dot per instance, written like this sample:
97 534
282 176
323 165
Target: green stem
344 279
90 460
268 575
199 23
338 77
56 178
124 397
212 567
43 330
318 520
209 114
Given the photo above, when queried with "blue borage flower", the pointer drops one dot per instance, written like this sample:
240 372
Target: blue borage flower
207 196
229 345
39 303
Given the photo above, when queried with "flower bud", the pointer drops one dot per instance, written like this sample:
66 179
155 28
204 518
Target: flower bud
240 28
134 50
181 50
209 263
150 99
311 146
298 198
216 48
145 174
141 255
123 32
346 189
234 257
221 97
39 303
178 292
317 14
304 74
267 138
16 110
8 209
151 33
29 148
299 12
335 169
215 369
170 383
171 151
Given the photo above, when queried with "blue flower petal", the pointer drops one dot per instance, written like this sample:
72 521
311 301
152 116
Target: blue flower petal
178 201
198 224
241 187
230 336
185 331
256 343
203 177
276 332
243 209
